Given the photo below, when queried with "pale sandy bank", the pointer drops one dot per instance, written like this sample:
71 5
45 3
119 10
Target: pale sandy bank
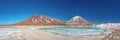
33 33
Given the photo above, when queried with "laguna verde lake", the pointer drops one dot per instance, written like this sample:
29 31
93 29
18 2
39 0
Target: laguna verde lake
76 30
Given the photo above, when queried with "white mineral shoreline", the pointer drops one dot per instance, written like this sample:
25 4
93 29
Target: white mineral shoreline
33 33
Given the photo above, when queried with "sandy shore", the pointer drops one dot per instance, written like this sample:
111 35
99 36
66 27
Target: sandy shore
33 33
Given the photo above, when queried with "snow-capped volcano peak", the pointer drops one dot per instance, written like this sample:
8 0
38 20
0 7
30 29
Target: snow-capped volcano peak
76 17
78 20
36 18
41 20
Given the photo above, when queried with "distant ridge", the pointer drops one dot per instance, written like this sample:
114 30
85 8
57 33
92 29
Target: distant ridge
40 20
78 20
45 20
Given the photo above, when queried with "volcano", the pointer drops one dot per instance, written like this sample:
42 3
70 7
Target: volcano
78 20
40 20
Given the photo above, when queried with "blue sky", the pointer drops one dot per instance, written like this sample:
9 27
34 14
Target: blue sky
95 11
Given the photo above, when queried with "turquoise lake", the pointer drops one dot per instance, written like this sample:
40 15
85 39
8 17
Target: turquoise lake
76 30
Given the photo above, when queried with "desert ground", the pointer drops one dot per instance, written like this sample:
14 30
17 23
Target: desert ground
33 33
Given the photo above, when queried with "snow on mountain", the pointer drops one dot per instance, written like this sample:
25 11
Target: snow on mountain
41 20
78 20
108 25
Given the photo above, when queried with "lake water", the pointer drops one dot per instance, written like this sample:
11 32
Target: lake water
7 30
7 27
76 30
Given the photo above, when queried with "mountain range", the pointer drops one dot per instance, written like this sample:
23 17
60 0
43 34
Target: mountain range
45 20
